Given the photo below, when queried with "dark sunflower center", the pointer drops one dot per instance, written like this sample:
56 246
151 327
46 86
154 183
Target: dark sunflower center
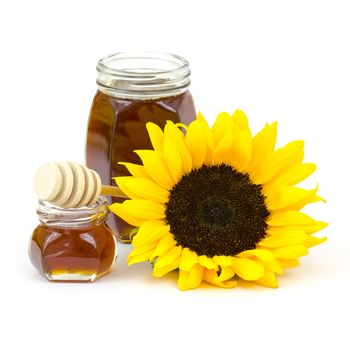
216 210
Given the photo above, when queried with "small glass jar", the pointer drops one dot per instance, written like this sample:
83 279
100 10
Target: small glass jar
134 88
73 245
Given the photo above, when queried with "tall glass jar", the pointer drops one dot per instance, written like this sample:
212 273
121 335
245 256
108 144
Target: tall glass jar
74 244
134 88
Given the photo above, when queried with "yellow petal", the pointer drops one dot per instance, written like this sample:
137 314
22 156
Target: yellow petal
196 143
188 259
141 253
280 161
140 188
208 137
223 260
156 135
156 168
240 118
307 228
313 227
127 191
273 266
178 139
223 150
220 126
168 257
294 175
263 145
242 142
261 254
144 209
248 269
150 231
211 277
241 150
291 252
135 170
118 209
286 264
172 159
292 198
139 258
312 241
190 279
284 238
182 280
267 259
164 244
195 276
161 271
289 218
313 198
226 273
201 118
268 280
142 248
208 263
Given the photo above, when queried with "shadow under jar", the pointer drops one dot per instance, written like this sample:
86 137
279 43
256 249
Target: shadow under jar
134 88
74 244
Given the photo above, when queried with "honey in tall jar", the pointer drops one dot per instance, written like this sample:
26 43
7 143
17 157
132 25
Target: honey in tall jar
133 88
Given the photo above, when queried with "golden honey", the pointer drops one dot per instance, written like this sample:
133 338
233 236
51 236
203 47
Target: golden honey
73 245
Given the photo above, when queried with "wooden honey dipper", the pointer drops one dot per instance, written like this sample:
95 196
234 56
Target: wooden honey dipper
70 185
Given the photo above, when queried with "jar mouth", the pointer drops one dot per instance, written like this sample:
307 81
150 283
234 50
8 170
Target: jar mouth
52 215
143 74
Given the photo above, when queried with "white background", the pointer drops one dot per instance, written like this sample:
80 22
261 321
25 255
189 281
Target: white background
278 60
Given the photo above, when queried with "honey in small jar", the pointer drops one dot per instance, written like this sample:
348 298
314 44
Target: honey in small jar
134 88
74 244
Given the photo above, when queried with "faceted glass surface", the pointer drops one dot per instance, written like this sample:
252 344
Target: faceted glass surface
80 254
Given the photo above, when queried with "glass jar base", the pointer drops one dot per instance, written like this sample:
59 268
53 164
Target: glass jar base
73 277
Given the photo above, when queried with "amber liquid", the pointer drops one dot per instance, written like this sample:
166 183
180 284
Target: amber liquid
117 128
73 254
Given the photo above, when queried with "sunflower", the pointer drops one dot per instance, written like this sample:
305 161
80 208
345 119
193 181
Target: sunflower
218 204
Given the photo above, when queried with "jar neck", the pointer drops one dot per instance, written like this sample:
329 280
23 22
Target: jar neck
54 216
143 75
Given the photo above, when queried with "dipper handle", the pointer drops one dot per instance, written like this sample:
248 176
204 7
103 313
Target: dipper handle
70 185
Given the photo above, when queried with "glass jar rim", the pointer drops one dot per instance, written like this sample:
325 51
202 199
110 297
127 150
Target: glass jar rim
105 63
143 74
52 215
